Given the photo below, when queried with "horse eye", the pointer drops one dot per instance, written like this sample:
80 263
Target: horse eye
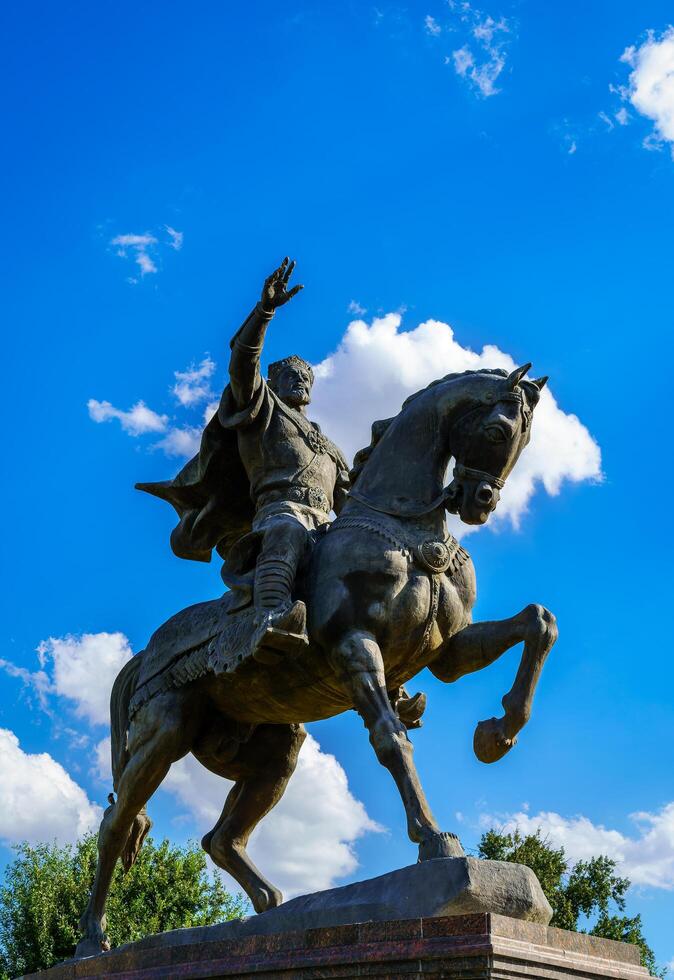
495 433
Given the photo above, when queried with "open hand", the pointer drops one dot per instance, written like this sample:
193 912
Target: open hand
275 291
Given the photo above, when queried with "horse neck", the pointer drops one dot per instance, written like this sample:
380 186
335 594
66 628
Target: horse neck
407 467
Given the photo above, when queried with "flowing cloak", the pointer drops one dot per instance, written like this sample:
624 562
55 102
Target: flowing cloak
212 493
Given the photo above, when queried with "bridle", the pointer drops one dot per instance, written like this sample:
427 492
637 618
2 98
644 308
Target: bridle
460 471
469 473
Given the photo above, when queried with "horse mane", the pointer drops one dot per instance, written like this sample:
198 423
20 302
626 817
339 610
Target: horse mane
380 427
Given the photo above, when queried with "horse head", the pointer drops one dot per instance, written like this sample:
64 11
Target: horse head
482 419
487 438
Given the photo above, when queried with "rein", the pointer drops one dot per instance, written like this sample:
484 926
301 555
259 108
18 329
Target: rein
434 504
460 471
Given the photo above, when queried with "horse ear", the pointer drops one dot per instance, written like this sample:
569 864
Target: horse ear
541 382
517 375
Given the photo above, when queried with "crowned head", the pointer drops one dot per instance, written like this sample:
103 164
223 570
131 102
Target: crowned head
292 379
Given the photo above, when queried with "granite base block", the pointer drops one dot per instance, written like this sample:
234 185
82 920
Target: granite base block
465 947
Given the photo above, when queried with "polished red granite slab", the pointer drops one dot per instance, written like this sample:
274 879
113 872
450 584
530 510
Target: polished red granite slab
461 946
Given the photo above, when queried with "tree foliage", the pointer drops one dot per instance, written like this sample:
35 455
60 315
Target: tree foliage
46 889
580 894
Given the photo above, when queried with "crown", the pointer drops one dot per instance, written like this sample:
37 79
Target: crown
292 361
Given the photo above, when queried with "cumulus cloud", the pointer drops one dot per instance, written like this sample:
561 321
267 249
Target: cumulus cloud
482 58
381 364
39 800
355 308
192 386
138 420
384 364
650 87
83 668
307 842
182 441
646 857
102 763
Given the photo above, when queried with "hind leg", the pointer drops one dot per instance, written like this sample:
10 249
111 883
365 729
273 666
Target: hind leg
160 735
261 770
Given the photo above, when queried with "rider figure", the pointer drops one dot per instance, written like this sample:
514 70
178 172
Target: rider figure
265 477
296 475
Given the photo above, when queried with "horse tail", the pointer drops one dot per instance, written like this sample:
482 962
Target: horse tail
120 698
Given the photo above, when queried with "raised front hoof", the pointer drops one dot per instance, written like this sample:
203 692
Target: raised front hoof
91 947
267 898
490 741
444 845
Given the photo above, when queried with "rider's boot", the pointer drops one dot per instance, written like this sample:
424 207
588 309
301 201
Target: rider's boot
280 623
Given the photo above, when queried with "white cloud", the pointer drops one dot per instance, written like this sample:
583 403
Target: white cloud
650 87
482 58
307 842
143 249
355 308
102 767
431 26
606 119
382 365
192 385
38 681
83 669
140 246
647 857
176 238
138 420
180 441
463 60
133 241
210 411
39 801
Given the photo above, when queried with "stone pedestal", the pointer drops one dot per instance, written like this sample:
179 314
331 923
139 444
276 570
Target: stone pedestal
480 945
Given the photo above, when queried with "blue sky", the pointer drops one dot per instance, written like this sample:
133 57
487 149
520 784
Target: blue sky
506 170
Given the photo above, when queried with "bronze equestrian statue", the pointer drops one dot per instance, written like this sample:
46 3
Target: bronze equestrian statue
386 589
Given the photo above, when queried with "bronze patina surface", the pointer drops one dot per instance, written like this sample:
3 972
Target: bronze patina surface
322 615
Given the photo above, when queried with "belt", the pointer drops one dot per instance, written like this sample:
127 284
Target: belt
310 496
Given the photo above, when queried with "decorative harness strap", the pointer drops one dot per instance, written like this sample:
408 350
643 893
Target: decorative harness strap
433 556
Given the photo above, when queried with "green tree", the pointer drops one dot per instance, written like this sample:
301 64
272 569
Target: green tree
46 888
586 890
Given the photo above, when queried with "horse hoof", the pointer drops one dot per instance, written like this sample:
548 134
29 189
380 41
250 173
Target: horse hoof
490 743
91 947
267 898
443 845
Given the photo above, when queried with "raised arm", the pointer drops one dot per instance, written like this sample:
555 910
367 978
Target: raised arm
246 345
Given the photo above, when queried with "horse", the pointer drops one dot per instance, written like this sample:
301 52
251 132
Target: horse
388 592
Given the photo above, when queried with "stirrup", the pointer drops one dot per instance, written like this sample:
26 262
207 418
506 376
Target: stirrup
281 634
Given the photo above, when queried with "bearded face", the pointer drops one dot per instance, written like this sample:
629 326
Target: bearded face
293 386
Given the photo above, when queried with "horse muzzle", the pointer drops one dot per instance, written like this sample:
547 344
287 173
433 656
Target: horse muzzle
473 500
